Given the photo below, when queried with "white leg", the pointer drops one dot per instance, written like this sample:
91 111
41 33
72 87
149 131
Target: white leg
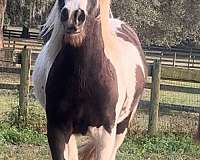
71 151
66 152
118 142
106 143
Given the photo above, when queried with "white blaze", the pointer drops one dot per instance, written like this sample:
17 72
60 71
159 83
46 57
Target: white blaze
73 5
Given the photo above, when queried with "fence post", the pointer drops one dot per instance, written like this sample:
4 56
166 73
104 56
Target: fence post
24 87
155 98
174 60
197 136
190 55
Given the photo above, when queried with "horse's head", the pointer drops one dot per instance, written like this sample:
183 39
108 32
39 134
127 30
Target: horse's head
76 17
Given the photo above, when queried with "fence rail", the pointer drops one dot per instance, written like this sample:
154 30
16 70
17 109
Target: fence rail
16 33
170 56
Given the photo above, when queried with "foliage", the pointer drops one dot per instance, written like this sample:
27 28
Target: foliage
159 147
36 119
31 12
160 21
13 135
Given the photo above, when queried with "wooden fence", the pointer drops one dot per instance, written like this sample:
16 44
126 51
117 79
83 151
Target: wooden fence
17 33
155 71
23 87
168 73
170 56
180 58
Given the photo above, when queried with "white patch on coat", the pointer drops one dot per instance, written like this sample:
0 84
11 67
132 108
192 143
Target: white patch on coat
125 59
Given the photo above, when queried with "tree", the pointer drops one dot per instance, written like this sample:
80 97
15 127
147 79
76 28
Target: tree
2 11
33 12
164 22
160 22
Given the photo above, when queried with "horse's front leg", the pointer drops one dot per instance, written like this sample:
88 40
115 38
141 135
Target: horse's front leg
72 148
106 143
58 141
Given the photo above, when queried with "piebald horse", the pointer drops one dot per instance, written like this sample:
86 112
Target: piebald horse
89 77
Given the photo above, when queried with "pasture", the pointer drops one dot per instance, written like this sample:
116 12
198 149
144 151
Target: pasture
163 147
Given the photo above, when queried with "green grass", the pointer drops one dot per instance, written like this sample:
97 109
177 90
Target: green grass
8 100
178 98
159 147
13 135
30 145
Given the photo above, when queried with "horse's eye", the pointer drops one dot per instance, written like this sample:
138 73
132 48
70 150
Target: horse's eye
81 17
64 14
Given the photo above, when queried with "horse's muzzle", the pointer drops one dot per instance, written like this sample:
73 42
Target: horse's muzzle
74 22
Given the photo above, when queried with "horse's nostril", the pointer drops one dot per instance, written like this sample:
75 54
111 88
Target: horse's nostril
64 14
79 16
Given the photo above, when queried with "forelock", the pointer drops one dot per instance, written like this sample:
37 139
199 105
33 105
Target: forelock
91 5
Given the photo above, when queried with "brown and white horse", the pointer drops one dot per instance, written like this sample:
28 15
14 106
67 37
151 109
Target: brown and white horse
89 77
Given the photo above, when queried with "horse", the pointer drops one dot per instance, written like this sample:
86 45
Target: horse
89 77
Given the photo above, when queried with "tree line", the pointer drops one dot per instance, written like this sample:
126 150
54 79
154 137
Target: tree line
158 22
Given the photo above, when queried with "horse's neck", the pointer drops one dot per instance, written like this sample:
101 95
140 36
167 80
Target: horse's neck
94 40
92 48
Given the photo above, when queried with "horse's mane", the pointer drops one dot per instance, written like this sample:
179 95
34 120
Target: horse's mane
51 20
109 36
55 29
104 13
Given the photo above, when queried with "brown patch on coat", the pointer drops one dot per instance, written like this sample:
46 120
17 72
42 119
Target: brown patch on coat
81 89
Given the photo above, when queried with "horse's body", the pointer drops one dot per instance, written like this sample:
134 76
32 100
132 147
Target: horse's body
90 89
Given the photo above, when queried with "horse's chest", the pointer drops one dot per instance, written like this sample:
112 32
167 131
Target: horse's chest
82 91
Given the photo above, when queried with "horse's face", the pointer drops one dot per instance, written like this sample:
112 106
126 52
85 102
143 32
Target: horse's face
76 16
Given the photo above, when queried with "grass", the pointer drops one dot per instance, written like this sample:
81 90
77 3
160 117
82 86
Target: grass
178 98
13 135
161 147
8 100
30 145
36 119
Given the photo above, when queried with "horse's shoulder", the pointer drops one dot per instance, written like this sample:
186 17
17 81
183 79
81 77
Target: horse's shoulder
125 31
127 35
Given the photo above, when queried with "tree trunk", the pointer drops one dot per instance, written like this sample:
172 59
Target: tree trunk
2 11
